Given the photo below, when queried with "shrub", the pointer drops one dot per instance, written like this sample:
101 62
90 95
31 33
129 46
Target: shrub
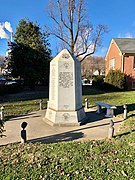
97 81
116 78
98 78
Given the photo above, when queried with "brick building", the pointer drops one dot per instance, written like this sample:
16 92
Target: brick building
121 55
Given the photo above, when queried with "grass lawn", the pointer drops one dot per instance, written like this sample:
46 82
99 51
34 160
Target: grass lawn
72 160
114 98
23 103
107 159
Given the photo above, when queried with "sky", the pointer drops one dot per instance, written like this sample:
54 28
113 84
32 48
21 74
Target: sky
118 15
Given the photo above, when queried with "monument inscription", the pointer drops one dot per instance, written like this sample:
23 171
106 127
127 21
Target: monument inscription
53 82
65 79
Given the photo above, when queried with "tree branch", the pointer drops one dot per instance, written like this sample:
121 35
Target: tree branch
61 38
61 16
72 27
78 21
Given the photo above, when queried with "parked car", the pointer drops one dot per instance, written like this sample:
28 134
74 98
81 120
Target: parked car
86 82
2 80
11 82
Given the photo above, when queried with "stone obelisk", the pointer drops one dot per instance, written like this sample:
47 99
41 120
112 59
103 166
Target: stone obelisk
65 91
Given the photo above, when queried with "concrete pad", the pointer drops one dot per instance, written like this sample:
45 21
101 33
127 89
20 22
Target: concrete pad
95 128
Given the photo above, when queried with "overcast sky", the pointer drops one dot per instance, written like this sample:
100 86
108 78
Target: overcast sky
118 15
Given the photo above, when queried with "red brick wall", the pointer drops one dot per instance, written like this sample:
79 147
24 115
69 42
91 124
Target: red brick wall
128 65
113 52
129 70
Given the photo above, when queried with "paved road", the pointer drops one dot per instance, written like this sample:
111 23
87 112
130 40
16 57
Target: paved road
38 131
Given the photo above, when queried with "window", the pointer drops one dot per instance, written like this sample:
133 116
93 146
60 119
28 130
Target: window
112 64
133 84
134 62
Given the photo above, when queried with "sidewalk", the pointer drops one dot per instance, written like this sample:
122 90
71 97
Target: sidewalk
38 131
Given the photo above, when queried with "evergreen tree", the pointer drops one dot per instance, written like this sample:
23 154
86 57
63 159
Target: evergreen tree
116 78
30 54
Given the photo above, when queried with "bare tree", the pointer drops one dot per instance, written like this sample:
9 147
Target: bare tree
92 64
72 27
1 61
1 58
98 64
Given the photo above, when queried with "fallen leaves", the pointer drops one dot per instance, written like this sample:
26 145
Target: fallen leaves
87 160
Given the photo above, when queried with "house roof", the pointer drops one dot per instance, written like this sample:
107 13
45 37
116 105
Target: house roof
126 45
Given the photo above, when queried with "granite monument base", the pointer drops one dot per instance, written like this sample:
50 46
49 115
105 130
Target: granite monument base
64 118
